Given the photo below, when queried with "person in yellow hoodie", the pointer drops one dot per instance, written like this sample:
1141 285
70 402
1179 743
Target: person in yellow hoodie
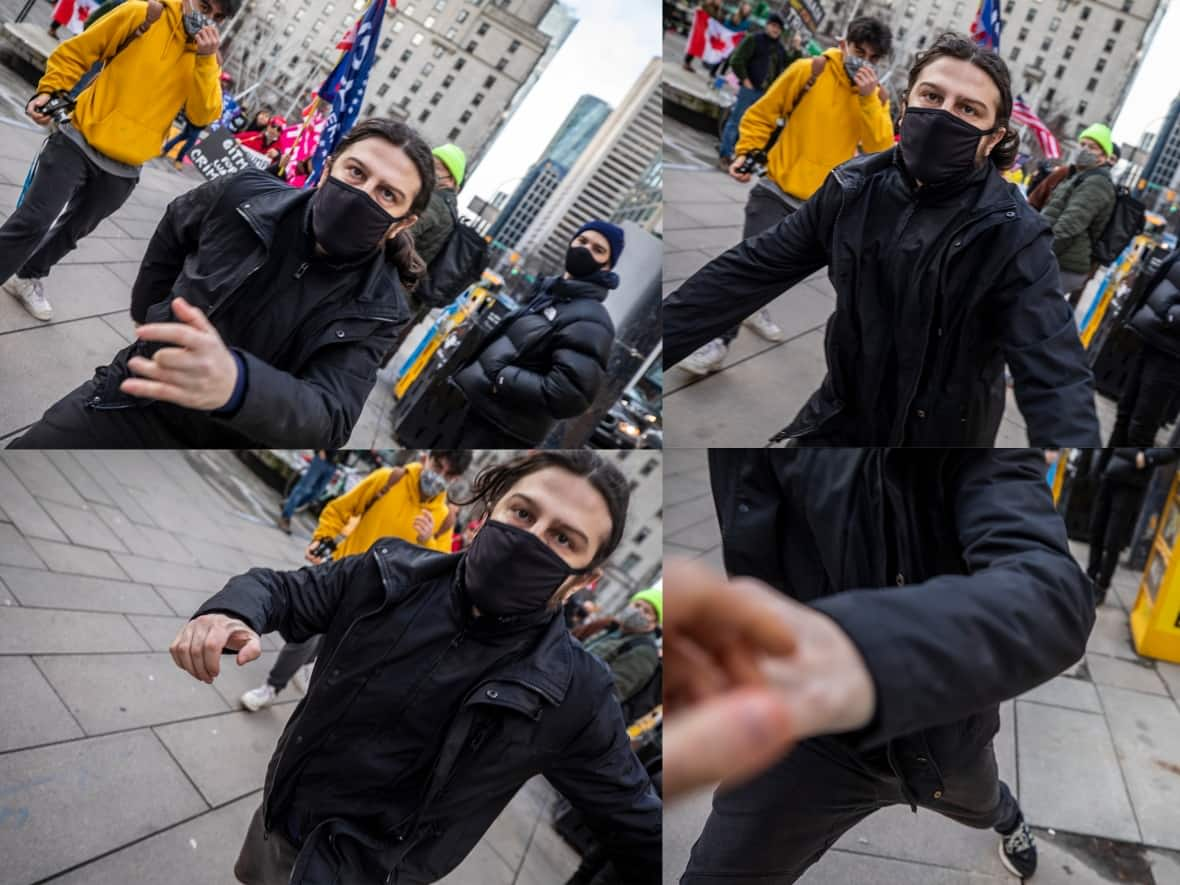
834 104
408 502
155 65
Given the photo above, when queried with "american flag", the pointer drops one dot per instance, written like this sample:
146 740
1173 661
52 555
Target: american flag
985 30
1023 114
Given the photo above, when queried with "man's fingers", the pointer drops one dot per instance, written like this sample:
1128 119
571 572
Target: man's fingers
728 738
157 390
176 358
212 647
153 370
196 650
170 333
252 650
190 315
179 649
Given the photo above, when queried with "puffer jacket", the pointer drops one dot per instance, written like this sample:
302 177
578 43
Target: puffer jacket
543 365
949 570
1157 322
1079 211
432 230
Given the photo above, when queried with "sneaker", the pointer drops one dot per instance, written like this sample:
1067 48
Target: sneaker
178 165
284 523
257 698
707 359
1018 851
302 677
31 295
765 326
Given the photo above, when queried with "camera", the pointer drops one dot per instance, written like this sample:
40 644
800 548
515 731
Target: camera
324 549
58 108
754 163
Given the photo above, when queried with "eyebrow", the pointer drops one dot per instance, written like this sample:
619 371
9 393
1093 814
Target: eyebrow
979 105
557 523
364 168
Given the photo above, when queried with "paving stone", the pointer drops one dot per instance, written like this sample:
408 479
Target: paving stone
549 858
1145 730
483 866
1165 866
218 556
1004 745
1076 694
158 630
235 681
1124 674
143 540
84 527
115 692
131 508
705 535
77 560
33 714
74 801
841 868
26 631
78 477
227 755
41 589
77 292
185 602
1170 673
1111 635
39 475
1069 773
153 571
513 828
205 848
15 550
22 508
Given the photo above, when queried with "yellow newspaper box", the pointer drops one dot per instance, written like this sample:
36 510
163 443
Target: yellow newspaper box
1154 619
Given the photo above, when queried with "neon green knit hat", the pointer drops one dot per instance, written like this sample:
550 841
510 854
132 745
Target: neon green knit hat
1101 134
653 597
452 156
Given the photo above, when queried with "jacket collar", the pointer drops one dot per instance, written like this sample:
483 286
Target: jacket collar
991 191
595 287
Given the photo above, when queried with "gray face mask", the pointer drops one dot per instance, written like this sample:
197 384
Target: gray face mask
634 620
852 64
194 20
1086 160
431 484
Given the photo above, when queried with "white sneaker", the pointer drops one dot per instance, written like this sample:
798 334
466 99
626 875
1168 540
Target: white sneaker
31 295
302 677
765 326
706 359
257 698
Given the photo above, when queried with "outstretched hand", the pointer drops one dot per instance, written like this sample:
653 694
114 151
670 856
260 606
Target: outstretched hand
197 648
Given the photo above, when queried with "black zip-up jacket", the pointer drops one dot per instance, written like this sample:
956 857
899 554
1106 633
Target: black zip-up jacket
949 569
1120 464
206 248
542 366
935 290
1157 322
550 711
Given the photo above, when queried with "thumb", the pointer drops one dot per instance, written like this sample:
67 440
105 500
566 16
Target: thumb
730 737
252 650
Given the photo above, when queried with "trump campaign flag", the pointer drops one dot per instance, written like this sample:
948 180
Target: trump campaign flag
711 41
985 30
344 90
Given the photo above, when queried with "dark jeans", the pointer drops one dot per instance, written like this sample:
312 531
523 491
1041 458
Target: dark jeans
29 247
1144 405
775 826
1116 507
729 136
317 475
293 656
189 135
763 211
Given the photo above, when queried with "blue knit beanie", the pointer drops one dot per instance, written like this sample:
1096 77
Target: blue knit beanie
613 234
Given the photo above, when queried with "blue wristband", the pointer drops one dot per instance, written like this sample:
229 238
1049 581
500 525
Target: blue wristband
235 399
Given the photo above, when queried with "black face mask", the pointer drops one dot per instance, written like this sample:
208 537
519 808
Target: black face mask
347 222
508 571
579 261
937 146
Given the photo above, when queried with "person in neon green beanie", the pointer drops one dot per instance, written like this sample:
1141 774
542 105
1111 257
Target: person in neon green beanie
1080 208
629 647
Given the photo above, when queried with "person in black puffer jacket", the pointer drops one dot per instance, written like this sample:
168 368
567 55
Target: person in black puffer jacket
547 360
1155 377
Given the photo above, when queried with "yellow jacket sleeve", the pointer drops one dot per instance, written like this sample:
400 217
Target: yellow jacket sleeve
203 104
761 118
339 511
876 122
73 58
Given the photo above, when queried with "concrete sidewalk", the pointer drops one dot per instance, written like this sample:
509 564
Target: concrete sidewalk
115 766
1092 755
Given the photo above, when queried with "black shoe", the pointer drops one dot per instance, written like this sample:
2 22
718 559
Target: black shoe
1018 851
1100 595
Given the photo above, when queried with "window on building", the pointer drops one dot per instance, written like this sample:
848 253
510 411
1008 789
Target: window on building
369 109
462 16
1081 108
1085 13
393 72
648 468
358 5
424 116
629 562
478 99
1040 61
447 81
1060 72
910 10
1054 25
642 535
1117 26
438 52
306 42
404 103
397 26
1077 33
459 62
1049 93
1100 66
1127 5
513 46
382 89
1023 35
440 5
298 15
1030 16
451 33
407 55
465 117
289 30
329 8
501 64
415 86
436 98
427 69
409 10
1009 6
1014 54
453 135
386 43
471 46
483 28
901 33
958 10
1046 44
293 62
1062 5
1109 47
416 40
1092 85
428 22
319 23
489 82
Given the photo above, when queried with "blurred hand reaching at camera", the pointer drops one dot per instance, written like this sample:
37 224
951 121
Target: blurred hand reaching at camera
197 648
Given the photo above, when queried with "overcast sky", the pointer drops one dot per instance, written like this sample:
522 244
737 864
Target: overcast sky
1155 85
604 56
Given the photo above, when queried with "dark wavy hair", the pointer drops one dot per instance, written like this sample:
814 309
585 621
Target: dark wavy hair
870 31
400 250
493 483
954 45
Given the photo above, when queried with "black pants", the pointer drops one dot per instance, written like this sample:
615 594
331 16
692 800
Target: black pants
1116 507
479 433
293 656
71 424
763 211
772 828
64 177
1144 405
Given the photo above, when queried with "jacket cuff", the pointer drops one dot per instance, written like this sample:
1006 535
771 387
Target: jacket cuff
235 400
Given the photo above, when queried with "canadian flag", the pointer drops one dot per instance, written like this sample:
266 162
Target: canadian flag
711 41
73 13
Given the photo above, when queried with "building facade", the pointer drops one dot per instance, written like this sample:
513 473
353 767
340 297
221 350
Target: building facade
452 69
644 203
610 167
1162 169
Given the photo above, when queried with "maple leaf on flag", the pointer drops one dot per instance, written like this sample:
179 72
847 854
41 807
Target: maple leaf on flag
718 43
83 13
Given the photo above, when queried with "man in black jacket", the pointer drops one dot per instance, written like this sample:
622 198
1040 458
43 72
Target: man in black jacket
444 683
1153 384
262 311
942 273
933 586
